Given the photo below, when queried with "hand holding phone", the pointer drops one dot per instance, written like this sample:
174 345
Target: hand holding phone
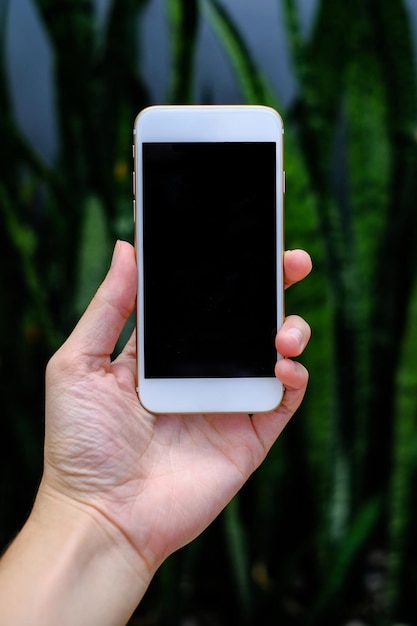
208 196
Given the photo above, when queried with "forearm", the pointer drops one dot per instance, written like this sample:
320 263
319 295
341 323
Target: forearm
66 567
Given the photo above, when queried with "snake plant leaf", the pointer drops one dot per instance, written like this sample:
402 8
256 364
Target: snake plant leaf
93 252
254 87
184 18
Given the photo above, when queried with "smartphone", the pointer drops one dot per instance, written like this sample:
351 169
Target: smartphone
208 186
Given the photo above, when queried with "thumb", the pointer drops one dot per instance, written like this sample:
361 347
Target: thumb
98 330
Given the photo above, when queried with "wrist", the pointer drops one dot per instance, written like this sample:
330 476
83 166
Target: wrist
72 566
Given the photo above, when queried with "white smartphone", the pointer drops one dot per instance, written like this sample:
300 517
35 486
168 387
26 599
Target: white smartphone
208 184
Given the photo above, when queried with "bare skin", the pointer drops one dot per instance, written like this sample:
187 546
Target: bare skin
123 488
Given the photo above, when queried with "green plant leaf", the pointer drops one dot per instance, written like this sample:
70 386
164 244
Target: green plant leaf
236 542
353 541
93 253
184 20
253 85
404 470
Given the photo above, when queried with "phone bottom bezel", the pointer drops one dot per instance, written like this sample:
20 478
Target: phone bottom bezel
210 395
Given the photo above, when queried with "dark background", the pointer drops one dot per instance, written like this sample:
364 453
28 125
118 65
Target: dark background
325 531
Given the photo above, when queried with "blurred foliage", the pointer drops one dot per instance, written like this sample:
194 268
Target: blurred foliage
325 531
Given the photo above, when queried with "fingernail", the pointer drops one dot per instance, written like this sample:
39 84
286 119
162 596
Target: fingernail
116 253
297 334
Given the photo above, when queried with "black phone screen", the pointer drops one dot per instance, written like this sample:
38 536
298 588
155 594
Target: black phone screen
210 259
